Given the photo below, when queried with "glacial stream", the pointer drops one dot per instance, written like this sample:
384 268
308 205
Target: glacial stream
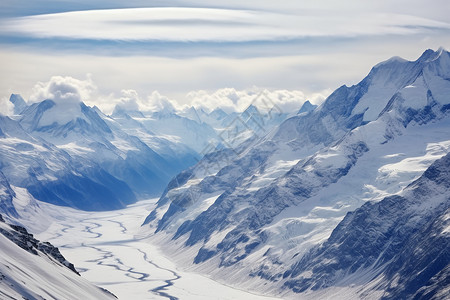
105 250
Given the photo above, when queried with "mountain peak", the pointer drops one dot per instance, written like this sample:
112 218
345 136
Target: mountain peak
61 113
218 114
430 55
19 103
251 109
427 56
61 118
306 107
120 110
392 60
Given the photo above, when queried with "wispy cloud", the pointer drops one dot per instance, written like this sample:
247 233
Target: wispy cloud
142 46
211 25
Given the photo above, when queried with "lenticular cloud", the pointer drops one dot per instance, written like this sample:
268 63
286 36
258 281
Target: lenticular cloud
183 24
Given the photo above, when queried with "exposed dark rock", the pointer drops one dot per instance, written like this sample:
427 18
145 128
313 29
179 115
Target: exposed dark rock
20 236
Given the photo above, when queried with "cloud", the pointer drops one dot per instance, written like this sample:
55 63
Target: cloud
230 99
6 107
68 92
157 102
131 101
327 68
63 89
190 24
227 99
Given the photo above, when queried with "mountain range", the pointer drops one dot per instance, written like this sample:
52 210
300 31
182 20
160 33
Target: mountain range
348 199
66 153
321 203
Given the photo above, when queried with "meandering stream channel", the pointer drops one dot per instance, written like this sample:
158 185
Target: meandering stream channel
104 249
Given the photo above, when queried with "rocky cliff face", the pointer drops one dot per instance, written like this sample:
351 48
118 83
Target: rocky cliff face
33 269
20 236
399 244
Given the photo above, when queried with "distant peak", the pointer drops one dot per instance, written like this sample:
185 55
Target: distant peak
307 107
15 96
396 59
19 103
218 110
121 111
251 108
118 110
97 109
46 104
430 54
392 60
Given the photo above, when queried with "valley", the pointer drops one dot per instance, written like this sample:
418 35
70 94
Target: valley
347 199
107 250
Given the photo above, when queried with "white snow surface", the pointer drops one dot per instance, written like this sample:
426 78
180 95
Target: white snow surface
29 276
385 170
62 113
106 249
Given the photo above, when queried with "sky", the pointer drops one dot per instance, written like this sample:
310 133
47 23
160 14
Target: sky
203 51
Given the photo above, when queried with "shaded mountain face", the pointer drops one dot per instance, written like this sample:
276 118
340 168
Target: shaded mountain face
53 174
257 209
307 107
19 103
398 245
66 153
33 270
78 159
7 195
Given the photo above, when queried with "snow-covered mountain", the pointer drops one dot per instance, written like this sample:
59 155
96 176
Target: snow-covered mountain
67 153
347 198
234 128
177 128
249 215
30 269
307 107
397 248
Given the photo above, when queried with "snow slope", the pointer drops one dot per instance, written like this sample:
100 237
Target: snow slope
397 247
30 269
83 158
51 174
107 250
277 197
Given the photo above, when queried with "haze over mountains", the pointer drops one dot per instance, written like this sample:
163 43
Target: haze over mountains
70 154
347 198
